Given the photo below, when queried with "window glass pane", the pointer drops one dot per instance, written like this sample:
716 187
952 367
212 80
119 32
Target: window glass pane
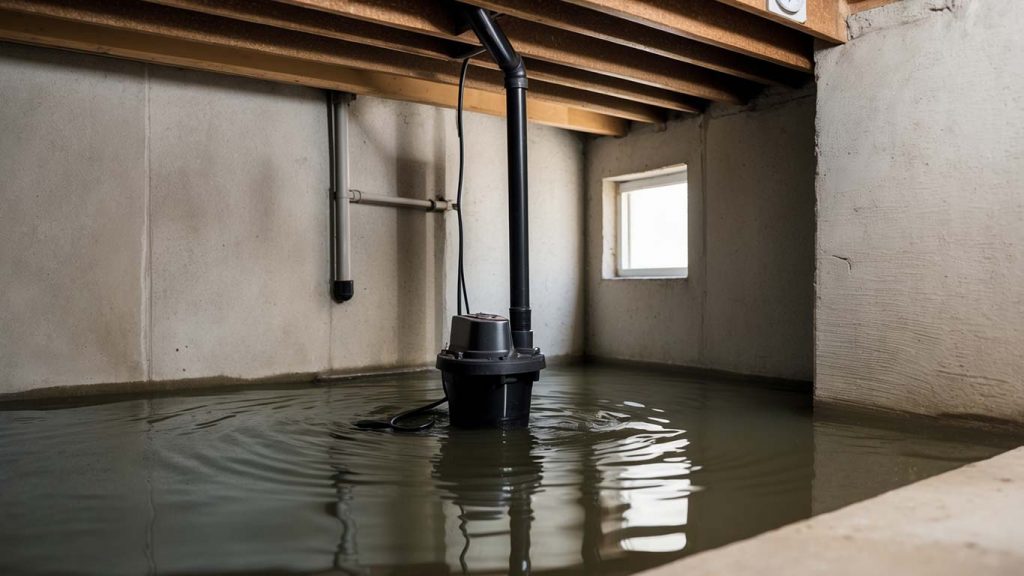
654 227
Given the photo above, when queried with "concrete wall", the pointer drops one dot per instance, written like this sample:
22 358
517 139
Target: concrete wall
747 303
159 224
920 272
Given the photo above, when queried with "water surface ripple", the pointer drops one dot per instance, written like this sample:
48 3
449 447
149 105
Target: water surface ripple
620 470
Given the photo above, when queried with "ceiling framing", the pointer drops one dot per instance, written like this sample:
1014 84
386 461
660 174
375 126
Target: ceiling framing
594 65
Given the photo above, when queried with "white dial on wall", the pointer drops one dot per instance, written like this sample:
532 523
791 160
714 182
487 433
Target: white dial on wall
791 6
792 9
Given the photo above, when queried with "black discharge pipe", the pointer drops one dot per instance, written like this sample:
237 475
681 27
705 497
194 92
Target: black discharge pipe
497 44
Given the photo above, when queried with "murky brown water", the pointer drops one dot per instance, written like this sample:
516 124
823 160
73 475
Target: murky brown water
619 471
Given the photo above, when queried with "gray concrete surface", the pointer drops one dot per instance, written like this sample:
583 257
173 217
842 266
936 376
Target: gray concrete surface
920 130
650 320
237 221
747 303
961 522
73 240
398 266
163 225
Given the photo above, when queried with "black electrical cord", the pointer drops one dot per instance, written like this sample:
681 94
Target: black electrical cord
460 295
460 289
393 423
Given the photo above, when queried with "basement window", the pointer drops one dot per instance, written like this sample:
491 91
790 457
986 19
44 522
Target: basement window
652 226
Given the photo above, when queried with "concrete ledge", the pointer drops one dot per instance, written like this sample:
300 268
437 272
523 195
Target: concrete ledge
108 391
963 522
701 372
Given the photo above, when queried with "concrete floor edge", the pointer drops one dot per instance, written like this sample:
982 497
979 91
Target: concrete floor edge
953 523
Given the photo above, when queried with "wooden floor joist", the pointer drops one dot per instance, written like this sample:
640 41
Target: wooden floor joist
593 65
824 17
590 81
426 17
549 44
563 47
334 26
318 23
716 24
75 35
854 6
602 26
156 20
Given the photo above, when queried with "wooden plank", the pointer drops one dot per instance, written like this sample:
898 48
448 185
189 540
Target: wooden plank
60 33
161 21
578 51
552 45
317 23
602 84
825 19
718 25
334 26
623 32
426 17
601 103
854 6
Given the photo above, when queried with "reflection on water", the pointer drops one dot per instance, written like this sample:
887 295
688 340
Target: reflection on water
620 470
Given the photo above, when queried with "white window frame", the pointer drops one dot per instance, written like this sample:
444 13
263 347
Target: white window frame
622 268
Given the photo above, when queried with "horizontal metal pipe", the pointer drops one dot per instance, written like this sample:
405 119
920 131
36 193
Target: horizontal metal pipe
360 197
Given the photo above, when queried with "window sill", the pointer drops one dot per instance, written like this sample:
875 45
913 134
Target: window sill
662 278
664 273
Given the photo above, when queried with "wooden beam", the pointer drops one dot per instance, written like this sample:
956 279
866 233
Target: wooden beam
339 27
718 25
317 23
550 45
600 103
825 19
579 51
425 17
854 6
61 33
167 22
591 82
637 36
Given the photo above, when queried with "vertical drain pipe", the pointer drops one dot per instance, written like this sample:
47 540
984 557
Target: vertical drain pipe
342 286
497 44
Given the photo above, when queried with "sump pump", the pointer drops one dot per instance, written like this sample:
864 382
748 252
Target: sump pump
490 363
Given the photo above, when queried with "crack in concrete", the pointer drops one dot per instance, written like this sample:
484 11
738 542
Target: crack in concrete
849 262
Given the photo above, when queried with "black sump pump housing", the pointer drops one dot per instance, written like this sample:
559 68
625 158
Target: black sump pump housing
488 380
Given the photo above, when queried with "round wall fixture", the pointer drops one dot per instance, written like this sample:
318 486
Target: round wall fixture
795 10
791 6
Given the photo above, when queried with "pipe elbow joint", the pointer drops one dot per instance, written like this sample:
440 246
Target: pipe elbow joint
497 44
515 74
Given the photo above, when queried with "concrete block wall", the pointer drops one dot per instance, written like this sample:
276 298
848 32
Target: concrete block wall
161 225
747 303
920 240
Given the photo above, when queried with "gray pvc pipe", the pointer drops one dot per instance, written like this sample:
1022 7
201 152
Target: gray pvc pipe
360 197
342 285
342 248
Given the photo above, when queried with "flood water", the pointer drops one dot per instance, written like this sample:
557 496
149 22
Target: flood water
620 470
